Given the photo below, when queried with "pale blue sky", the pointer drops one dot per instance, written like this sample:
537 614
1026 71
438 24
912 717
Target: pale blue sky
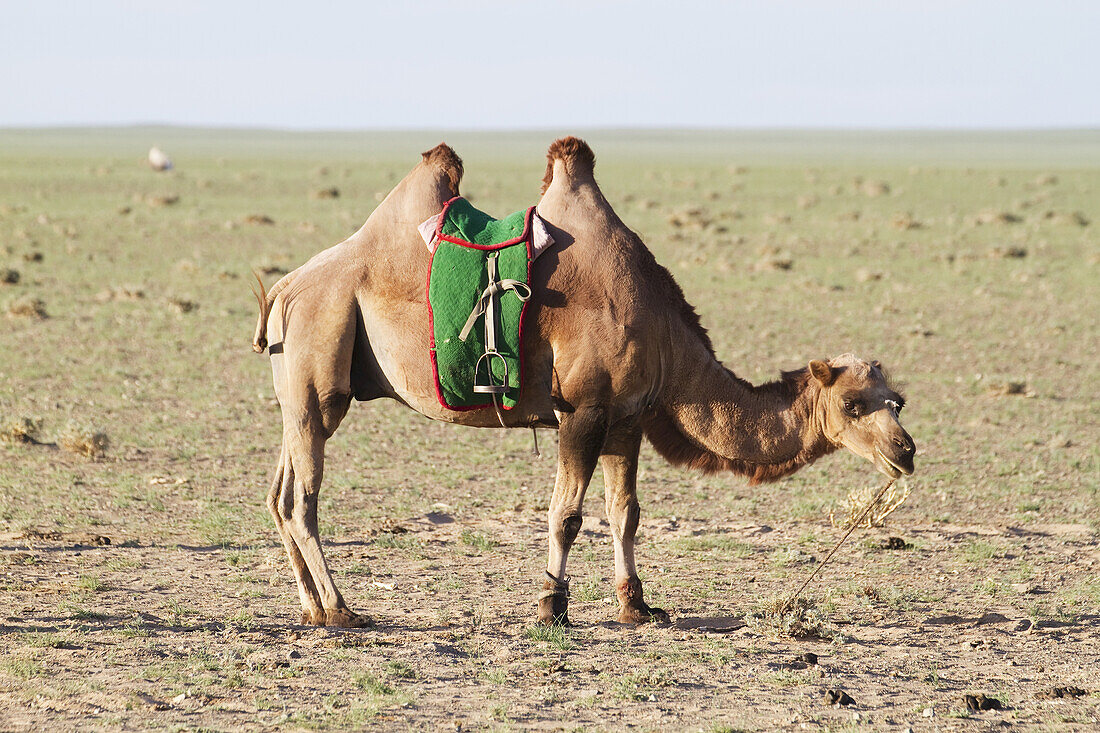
351 65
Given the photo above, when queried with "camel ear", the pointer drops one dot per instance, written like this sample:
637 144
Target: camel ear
822 372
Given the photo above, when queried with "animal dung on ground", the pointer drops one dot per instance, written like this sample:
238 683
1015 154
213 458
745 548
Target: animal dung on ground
1004 389
838 697
159 160
259 219
773 264
85 442
858 499
896 543
28 307
981 702
1008 252
1060 693
8 276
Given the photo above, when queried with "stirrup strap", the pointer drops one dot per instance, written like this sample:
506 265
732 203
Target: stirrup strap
487 304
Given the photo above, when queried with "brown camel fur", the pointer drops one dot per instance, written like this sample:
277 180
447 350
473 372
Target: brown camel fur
613 352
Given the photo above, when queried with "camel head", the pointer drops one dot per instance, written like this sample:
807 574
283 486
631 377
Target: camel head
858 409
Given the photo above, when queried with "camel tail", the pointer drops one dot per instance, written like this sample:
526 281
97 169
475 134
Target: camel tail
578 158
265 300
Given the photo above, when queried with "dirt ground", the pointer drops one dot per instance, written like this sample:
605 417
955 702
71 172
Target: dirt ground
173 636
145 589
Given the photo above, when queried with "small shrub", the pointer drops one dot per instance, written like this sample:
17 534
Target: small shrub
857 502
802 619
28 307
88 443
21 430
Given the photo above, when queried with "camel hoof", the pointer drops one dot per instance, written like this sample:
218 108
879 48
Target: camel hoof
347 619
644 615
313 618
553 611
554 602
554 620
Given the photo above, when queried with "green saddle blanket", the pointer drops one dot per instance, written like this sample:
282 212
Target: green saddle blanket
472 248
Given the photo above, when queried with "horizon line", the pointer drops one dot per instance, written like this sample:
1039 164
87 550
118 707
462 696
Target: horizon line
551 128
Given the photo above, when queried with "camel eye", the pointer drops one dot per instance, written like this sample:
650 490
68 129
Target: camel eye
851 408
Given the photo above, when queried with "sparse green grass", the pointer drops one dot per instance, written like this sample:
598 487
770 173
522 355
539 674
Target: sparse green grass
724 544
90 583
979 552
554 636
194 432
477 541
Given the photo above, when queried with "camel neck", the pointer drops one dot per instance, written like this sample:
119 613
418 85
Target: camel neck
767 425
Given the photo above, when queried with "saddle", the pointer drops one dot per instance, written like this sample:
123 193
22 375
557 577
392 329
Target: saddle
478 290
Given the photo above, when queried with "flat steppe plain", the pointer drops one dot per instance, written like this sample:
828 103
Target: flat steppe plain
146 589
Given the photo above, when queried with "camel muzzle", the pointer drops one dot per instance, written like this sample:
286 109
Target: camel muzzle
896 458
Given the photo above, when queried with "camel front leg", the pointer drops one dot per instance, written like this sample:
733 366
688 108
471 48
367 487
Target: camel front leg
620 472
581 436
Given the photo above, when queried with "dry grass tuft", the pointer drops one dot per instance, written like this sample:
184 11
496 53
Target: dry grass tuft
905 221
21 430
183 305
801 619
9 276
120 292
874 189
28 307
85 442
858 500
259 219
159 200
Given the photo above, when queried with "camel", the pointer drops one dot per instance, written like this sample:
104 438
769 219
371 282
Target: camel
613 352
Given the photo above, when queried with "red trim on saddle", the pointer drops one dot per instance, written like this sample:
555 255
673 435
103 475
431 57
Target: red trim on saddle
515 240
526 237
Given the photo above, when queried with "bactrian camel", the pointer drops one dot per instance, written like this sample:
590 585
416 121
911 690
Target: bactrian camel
613 352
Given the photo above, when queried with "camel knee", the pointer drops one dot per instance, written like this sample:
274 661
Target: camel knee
567 527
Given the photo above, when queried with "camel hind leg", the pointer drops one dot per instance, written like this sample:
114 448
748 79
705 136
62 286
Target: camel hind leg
293 504
312 610
620 471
